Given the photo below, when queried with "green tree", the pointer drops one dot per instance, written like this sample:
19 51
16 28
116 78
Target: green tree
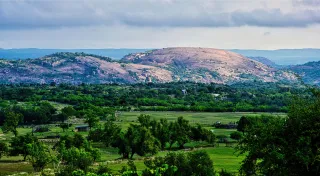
162 132
75 158
243 123
201 163
19 145
39 155
141 141
91 119
67 112
181 164
110 133
129 170
12 121
4 149
122 143
181 132
284 146
144 120
236 135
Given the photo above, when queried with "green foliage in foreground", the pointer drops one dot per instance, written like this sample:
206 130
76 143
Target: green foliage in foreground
284 146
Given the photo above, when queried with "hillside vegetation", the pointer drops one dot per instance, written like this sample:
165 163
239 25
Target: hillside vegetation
309 72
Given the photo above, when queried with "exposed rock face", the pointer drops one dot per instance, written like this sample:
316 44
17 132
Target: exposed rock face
208 65
77 69
163 65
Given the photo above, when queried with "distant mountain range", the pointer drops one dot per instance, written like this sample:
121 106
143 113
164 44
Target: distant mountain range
284 56
162 65
280 57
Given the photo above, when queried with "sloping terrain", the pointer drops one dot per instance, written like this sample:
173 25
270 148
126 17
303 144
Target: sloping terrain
208 65
163 65
309 72
265 61
77 68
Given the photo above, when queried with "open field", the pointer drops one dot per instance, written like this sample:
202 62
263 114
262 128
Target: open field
222 156
194 117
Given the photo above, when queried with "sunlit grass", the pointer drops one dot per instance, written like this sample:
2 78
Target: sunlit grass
222 156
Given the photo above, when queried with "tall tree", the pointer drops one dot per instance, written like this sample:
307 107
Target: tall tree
136 140
284 146
181 131
91 119
4 149
19 145
12 121
66 113
144 120
110 133
162 132
39 155
243 124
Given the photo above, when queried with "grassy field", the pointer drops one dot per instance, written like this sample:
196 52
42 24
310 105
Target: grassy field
222 156
194 117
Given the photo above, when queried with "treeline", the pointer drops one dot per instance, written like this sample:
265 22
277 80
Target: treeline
42 112
180 96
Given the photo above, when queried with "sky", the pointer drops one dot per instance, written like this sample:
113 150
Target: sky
225 24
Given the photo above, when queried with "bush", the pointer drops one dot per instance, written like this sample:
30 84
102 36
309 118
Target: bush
41 129
236 135
191 163
224 172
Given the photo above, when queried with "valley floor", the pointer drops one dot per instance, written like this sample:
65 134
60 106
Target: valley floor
224 157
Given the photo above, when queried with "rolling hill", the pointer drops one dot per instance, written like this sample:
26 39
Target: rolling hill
309 72
163 65
208 65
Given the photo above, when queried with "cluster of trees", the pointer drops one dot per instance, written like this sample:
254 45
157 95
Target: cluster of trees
283 146
43 112
74 155
149 136
186 163
182 96
29 113
69 154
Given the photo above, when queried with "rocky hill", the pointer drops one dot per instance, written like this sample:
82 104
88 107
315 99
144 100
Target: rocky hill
309 72
208 65
163 65
77 68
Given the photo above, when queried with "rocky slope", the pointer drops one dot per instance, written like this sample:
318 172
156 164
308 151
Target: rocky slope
77 68
265 61
208 65
163 65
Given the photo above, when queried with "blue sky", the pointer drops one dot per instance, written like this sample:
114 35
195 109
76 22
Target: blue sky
243 24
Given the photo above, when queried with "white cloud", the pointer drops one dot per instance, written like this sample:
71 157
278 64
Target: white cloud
155 13
159 23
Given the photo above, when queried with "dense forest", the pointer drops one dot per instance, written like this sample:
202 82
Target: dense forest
181 96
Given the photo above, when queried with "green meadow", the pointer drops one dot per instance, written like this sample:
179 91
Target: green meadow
224 157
